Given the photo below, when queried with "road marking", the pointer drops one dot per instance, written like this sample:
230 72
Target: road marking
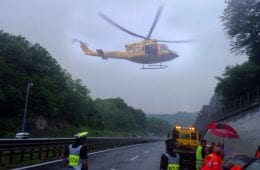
124 147
146 151
113 169
134 158
153 148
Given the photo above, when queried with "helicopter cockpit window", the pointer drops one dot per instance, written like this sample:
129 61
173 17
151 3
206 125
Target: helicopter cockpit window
164 47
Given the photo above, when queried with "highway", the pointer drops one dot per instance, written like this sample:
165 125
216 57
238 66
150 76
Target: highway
137 157
145 156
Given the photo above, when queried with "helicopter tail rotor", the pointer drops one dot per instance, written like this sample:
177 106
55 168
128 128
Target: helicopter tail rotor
83 46
74 40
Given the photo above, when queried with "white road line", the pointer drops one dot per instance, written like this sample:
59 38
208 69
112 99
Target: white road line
153 148
146 151
93 153
134 158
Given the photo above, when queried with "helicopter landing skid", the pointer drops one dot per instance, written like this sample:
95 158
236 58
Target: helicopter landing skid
154 66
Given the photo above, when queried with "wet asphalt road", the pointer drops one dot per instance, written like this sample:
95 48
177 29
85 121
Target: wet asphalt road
137 157
140 157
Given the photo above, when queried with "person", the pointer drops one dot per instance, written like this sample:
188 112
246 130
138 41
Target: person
213 161
170 160
200 154
222 151
213 144
77 154
207 158
257 153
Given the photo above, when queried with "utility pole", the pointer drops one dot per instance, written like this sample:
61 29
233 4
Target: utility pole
29 85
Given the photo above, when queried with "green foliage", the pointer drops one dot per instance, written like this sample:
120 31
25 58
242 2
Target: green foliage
238 84
64 103
235 79
54 94
241 19
157 126
118 116
237 87
234 83
181 118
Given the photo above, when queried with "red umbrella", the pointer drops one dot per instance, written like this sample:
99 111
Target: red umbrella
224 133
222 130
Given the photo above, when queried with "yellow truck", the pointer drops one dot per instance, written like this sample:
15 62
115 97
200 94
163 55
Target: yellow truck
186 140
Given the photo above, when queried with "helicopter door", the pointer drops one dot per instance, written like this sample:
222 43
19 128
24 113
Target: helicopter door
151 50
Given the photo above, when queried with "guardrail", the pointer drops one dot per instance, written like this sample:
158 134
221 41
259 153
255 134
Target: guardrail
19 152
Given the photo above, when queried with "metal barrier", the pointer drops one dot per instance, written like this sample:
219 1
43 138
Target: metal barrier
18 152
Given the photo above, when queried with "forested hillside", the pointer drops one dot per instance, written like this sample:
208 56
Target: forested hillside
56 101
181 118
118 116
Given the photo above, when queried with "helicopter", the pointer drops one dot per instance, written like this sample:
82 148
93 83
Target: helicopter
151 53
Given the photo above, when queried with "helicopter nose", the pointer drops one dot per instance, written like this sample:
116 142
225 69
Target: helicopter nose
174 55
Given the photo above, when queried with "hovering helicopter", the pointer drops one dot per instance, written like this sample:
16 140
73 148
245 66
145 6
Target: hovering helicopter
146 52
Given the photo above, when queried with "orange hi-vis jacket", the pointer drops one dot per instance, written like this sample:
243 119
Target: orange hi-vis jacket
212 162
206 162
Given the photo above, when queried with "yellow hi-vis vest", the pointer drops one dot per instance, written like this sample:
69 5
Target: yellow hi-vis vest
74 157
173 162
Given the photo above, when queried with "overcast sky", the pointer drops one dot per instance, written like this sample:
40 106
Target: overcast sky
187 83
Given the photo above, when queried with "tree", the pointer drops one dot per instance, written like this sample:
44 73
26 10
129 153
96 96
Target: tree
54 96
241 19
157 126
233 86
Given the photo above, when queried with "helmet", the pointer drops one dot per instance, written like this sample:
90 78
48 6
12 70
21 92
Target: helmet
81 135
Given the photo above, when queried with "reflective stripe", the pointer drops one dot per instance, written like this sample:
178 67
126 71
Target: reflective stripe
73 160
173 166
173 162
81 134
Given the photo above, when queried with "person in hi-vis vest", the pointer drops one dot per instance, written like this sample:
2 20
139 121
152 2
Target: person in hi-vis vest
200 153
170 160
77 153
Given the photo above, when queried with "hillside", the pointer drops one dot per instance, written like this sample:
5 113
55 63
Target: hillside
182 118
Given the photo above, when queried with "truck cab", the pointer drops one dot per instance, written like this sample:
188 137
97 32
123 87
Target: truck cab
186 140
186 136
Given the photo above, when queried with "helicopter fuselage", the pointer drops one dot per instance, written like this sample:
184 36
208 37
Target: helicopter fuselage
149 52
144 52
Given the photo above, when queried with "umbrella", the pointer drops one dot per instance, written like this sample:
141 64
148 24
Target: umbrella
222 130
224 133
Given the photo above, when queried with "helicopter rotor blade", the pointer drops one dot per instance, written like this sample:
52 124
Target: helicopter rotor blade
158 14
176 41
118 26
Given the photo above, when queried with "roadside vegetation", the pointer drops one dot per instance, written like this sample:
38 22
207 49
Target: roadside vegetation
239 85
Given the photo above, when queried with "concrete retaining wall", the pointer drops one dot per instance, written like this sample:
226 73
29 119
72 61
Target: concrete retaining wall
247 124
